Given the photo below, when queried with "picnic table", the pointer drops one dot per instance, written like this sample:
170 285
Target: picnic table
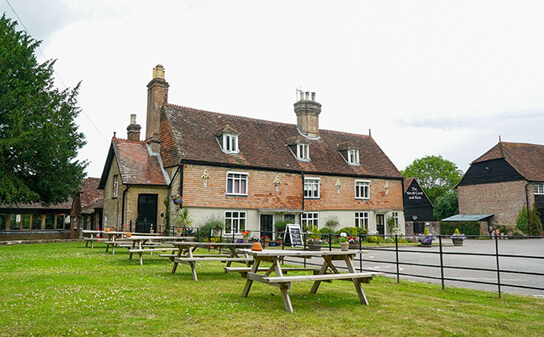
148 243
92 236
322 275
186 255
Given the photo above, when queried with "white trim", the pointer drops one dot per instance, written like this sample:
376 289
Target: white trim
318 188
238 231
538 188
355 187
246 174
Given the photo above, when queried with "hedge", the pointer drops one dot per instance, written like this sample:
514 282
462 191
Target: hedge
465 227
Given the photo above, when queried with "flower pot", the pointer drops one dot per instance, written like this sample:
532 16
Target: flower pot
314 246
457 242
245 240
430 244
344 246
353 245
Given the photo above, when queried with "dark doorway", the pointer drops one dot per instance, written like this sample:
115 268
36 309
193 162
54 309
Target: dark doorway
419 227
267 226
147 213
380 224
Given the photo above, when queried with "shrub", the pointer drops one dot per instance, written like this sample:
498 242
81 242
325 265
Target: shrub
348 230
326 230
373 239
332 221
466 227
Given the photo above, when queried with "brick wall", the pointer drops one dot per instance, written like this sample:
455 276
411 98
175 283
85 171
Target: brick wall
504 200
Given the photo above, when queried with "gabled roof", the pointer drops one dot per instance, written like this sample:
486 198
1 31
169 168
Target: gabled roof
137 166
90 194
189 134
526 159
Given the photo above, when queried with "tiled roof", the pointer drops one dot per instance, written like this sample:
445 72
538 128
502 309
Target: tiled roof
407 182
527 159
136 165
90 194
190 134
67 205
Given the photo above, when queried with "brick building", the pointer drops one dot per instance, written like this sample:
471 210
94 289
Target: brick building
502 181
248 173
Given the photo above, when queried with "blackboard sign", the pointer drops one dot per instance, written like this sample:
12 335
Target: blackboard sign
293 237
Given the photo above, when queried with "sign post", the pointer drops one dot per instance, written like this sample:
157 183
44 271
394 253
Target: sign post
293 236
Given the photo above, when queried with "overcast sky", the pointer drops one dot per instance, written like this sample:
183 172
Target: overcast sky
427 77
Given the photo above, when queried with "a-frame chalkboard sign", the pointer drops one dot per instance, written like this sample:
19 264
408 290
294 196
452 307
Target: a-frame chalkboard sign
293 236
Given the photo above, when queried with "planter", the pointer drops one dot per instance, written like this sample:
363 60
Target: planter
344 246
457 242
314 246
245 240
353 245
266 243
430 244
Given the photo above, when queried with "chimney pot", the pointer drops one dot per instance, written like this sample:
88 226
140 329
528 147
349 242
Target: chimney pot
307 112
133 130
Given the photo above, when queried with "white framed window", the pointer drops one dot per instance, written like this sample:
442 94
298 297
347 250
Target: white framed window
235 221
311 188
115 190
539 188
309 220
303 152
237 183
361 219
395 216
362 189
230 143
353 157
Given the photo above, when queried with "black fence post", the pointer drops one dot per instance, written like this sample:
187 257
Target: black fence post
441 261
498 267
397 257
330 241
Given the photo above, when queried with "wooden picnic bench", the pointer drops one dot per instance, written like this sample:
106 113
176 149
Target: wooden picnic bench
275 257
149 244
186 249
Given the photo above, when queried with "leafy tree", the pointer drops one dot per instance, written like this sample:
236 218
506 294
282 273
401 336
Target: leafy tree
435 174
446 205
39 139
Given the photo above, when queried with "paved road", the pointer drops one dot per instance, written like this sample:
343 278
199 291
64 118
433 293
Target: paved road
431 256
532 247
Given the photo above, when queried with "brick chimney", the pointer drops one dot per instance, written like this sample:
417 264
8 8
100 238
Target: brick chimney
157 97
307 111
133 130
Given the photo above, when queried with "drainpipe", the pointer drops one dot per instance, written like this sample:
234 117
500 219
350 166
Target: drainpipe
302 174
123 206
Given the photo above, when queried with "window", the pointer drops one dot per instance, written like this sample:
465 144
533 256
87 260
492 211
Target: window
353 157
395 216
311 188
230 143
309 220
303 152
235 221
115 191
361 219
15 222
362 189
539 188
237 183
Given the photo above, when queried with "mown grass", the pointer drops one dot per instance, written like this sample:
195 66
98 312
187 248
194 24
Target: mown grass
66 289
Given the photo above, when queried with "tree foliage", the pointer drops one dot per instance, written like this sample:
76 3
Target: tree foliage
39 139
446 205
435 175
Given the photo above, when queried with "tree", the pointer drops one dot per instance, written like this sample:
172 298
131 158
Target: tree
435 175
39 139
446 205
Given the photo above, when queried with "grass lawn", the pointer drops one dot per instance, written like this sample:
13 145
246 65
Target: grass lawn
65 289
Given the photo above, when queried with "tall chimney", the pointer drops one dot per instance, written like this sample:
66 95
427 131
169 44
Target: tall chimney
307 111
133 130
157 97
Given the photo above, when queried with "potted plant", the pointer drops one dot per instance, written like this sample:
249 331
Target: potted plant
353 242
245 236
457 238
177 199
254 239
344 244
266 240
314 242
426 239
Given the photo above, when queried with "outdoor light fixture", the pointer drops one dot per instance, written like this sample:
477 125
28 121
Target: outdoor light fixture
277 183
338 186
205 178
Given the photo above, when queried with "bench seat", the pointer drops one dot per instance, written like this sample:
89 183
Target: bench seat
243 270
161 249
274 280
215 258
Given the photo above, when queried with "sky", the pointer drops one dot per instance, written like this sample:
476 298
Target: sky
423 77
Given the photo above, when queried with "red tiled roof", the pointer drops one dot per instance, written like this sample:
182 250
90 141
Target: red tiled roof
527 159
407 182
190 134
136 165
90 194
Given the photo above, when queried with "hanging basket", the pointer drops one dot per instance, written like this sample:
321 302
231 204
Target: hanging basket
177 199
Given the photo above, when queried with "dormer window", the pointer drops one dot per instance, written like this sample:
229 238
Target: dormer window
230 143
303 152
227 138
353 157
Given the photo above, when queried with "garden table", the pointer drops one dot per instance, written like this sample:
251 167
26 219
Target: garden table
284 282
92 236
186 249
150 243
